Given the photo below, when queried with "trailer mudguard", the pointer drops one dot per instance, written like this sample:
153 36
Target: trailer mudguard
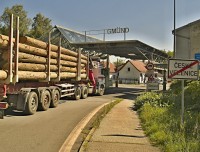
22 98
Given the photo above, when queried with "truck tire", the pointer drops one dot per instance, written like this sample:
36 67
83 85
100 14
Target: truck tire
55 98
77 93
84 92
101 90
32 103
45 101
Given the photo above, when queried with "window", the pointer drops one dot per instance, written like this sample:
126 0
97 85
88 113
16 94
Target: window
129 69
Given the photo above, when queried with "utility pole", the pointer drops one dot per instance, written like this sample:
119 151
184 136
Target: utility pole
174 54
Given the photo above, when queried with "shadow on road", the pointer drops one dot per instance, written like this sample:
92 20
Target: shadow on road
10 113
121 135
120 92
124 92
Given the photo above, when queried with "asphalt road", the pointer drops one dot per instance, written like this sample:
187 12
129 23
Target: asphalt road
46 131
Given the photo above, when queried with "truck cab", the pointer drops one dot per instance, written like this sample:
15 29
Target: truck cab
96 78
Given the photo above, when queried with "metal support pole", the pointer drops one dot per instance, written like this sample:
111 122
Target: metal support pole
107 72
124 36
85 36
104 35
164 81
142 53
182 103
117 76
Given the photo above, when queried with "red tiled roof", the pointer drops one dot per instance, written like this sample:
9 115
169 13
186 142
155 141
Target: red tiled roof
111 66
120 67
139 65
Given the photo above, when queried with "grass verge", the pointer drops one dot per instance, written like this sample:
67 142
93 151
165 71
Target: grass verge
160 117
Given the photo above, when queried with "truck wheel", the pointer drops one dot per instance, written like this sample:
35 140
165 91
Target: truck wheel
84 92
31 104
77 93
44 101
101 90
55 98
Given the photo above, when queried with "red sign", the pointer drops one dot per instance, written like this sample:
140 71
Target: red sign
150 66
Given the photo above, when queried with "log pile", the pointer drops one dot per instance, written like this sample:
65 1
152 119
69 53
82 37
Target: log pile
33 59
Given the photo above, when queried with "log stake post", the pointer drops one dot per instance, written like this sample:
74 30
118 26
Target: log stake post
10 74
87 66
78 75
16 79
48 59
58 59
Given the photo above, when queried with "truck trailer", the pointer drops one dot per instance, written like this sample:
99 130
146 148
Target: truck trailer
34 75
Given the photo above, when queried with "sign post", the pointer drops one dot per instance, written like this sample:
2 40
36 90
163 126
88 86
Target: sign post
182 102
183 69
151 83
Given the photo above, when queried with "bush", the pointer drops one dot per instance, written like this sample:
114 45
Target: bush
149 97
154 99
160 117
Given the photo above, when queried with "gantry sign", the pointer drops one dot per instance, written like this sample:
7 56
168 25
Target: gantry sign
117 30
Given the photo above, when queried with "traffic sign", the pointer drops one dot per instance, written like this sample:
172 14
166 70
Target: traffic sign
197 56
183 69
152 86
150 66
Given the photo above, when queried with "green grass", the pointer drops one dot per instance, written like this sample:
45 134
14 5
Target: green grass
160 117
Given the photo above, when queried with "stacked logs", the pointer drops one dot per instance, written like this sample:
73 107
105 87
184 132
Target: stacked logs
33 59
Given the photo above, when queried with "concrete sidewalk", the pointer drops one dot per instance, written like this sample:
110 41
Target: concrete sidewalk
120 131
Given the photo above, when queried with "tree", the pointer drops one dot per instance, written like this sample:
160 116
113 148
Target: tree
41 25
16 10
119 62
170 53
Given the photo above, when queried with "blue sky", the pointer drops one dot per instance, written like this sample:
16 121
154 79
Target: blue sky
150 21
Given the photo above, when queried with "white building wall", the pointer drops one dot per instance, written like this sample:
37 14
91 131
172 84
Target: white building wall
183 44
194 39
126 75
188 41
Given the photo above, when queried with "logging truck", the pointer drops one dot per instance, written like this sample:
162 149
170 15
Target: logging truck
34 75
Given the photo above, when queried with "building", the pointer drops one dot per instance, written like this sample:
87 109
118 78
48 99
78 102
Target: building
112 70
133 71
187 41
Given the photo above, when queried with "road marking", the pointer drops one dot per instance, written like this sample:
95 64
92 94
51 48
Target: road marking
183 69
71 139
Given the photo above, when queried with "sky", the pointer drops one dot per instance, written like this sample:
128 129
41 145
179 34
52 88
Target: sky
149 21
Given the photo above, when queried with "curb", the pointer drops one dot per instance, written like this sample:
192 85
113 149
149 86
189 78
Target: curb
87 139
91 132
71 139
